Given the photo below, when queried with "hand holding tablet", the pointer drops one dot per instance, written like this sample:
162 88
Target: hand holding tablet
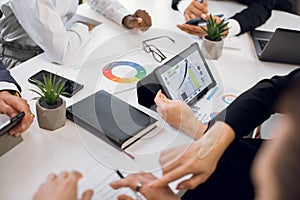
186 76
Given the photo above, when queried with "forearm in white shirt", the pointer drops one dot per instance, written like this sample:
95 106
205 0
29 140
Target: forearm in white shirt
8 86
42 22
111 9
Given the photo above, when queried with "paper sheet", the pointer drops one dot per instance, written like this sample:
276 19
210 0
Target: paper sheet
98 179
214 102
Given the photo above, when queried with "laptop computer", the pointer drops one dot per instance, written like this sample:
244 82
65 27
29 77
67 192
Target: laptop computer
281 46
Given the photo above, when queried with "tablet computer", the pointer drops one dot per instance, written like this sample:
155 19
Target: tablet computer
186 76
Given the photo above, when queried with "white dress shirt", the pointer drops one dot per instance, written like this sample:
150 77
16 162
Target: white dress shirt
111 9
8 86
234 26
42 23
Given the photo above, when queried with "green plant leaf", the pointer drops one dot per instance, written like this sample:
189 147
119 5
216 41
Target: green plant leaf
215 31
50 90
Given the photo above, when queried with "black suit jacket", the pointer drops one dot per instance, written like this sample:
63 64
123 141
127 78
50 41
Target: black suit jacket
258 12
6 77
257 104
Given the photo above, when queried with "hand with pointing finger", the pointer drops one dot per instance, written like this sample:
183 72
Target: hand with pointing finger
149 193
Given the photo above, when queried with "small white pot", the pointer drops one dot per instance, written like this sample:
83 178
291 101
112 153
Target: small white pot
212 49
51 119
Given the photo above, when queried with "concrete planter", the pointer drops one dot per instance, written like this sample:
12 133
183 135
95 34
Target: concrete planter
51 118
212 49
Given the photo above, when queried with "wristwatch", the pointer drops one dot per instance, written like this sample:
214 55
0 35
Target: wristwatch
14 92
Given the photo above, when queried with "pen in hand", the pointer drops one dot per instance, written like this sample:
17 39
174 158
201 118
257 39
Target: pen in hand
138 197
119 174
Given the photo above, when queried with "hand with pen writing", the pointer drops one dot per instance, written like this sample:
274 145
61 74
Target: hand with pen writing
142 179
195 9
61 187
179 115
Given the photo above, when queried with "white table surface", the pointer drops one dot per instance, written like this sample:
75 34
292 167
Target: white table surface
25 167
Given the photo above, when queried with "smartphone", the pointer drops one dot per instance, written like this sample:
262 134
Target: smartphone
199 21
71 87
9 124
196 21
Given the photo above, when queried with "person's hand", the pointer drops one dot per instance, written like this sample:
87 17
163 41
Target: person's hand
179 115
195 10
11 106
140 20
197 30
199 159
61 187
150 193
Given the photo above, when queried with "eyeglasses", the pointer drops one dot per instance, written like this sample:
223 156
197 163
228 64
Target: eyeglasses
156 53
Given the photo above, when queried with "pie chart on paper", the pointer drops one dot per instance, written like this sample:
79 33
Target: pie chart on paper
124 72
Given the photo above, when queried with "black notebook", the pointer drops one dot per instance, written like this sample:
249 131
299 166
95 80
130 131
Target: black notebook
111 119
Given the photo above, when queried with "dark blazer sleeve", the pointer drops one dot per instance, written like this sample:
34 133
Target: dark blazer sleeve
6 77
257 104
258 12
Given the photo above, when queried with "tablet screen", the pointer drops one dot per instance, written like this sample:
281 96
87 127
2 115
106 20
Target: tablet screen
186 77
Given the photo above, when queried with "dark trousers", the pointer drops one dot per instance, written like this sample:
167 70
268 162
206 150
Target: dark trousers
231 180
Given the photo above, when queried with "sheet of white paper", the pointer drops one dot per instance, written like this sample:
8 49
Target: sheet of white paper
98 179
233 43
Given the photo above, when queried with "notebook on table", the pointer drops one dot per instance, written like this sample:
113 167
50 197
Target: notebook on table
281 46
111 119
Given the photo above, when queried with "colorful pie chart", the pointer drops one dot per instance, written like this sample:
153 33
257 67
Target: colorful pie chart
108 72
228 98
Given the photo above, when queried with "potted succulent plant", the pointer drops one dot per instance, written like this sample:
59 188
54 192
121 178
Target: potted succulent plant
212 43
50 107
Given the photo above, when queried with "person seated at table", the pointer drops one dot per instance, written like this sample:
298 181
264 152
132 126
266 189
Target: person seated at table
275 169
29 28
220 174
11 102
256 14
220 159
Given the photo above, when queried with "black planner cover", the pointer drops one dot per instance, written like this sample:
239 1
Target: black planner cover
111 119
147 89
